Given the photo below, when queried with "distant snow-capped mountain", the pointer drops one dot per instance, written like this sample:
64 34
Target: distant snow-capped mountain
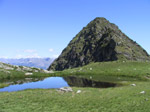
30 62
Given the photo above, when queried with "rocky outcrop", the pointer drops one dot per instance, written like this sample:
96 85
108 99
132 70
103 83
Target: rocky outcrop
7 68
99 41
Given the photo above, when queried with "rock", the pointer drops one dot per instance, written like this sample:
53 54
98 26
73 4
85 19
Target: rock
133 84
79 91
97 42
5 71
19 69
26 69
118 69
46 71
142 92
36 71
9 68
66 89
28 73
8 72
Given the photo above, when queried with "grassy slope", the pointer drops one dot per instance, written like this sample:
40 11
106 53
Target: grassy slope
8 71
120 99
20 74
107 69
116 68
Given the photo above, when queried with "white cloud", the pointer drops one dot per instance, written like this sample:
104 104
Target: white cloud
55 56
30 51
28 56
3 57
27 53
51 50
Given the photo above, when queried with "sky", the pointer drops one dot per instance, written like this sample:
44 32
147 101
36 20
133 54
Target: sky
43 28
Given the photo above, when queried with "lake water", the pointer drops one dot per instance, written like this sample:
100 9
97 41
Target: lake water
53 82
50 82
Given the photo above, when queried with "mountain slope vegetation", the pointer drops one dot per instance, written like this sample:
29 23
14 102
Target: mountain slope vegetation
99 41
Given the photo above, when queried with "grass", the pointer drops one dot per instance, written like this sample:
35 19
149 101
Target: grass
120 99
3 85
115 69
112 69
17 74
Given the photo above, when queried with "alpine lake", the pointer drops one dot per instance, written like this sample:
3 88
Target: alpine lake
57 82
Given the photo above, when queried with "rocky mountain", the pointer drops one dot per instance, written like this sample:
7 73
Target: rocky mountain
99 41
42 63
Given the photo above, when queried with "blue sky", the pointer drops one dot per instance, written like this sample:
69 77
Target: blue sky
43 28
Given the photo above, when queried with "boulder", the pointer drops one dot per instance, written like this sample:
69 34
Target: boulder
26 69
66 89
28 74
142 92
46 71
133 84
79 91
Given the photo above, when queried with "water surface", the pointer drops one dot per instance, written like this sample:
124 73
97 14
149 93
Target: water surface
50 82
54 82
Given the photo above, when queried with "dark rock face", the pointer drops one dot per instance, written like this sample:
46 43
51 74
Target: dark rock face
99 41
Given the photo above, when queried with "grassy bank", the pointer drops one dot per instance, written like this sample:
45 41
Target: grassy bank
116 68
103 69
17 74
120 99
3 85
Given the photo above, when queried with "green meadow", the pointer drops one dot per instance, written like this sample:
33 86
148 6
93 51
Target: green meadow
125 98
119 99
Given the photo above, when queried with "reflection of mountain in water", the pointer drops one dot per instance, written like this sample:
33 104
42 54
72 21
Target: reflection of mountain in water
82 82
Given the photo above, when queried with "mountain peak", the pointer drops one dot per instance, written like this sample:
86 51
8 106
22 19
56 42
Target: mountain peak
100 19
99 41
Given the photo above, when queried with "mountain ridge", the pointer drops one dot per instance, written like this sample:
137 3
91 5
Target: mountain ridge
99 41
42 63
